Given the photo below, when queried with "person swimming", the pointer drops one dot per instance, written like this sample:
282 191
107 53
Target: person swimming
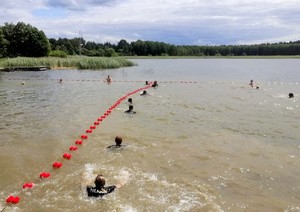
118 141
143 93
99 190
108 79
130 110
251 83
154 84
291 95
130 104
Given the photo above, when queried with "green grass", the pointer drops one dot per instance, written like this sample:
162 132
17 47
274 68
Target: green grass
75 62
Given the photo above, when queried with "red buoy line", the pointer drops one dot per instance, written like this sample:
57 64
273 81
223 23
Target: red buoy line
100 80
14 199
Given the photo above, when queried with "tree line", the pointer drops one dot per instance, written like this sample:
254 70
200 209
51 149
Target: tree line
25 40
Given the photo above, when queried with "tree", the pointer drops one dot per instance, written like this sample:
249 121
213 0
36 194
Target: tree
3 45
25 40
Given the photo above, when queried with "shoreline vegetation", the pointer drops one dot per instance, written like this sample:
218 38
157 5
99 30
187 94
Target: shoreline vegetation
98 63
71 62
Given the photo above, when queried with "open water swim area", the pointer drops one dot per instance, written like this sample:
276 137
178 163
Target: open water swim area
203 140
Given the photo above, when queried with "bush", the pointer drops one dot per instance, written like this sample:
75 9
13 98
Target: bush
58 53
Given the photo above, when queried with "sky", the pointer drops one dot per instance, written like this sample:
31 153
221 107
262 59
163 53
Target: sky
179 22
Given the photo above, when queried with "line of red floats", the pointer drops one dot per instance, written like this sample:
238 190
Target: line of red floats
91 80
67 156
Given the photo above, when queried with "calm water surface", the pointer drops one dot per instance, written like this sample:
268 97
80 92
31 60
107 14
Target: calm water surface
204 140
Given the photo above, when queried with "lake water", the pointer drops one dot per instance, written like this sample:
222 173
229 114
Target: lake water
203 140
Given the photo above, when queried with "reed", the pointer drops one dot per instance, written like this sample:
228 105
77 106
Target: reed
69 62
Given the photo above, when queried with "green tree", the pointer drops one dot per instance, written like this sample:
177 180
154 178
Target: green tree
3 45
25 40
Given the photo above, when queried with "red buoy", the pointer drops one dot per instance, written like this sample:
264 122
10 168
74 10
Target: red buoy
96 123
56 164
13 200
92 127
84 136
79 142
73 148
44 175
67 156
89 131
28 185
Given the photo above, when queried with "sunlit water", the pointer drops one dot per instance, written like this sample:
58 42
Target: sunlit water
204 140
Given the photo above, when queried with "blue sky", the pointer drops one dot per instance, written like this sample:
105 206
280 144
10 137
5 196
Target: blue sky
182 22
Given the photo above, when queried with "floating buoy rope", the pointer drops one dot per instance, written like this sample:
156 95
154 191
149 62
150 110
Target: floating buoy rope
67 156
100 80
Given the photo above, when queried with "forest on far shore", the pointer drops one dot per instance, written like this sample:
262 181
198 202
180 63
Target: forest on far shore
25 40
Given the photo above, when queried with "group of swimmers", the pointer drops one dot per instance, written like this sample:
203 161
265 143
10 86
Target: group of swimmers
291 95
100 189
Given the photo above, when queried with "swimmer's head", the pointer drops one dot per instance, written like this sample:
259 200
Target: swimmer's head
146 82
118 141
257 87
99 181
130 100
291 95
23 83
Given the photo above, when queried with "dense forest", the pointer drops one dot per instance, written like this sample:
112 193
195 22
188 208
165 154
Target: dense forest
24 40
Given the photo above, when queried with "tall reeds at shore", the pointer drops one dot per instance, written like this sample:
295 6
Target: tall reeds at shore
69 62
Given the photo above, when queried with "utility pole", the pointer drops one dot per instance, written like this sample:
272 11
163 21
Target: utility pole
79 42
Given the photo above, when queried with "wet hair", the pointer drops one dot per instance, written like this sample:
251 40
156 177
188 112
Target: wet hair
99 181
146 82
130 100
291 95
118 141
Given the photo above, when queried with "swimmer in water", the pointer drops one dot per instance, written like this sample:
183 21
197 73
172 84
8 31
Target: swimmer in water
251 83
130 110
60 80
99 190
108 79
143 93
154 84
147 83
118 144
291 95
130 101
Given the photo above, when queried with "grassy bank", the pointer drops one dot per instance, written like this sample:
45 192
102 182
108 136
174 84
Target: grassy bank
69 62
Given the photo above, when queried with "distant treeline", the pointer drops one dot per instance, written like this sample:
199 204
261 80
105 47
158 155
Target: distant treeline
152 48
24 40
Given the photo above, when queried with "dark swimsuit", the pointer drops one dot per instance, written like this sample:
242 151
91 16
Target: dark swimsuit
94 192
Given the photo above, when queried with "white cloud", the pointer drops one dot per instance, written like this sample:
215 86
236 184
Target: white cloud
176 21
